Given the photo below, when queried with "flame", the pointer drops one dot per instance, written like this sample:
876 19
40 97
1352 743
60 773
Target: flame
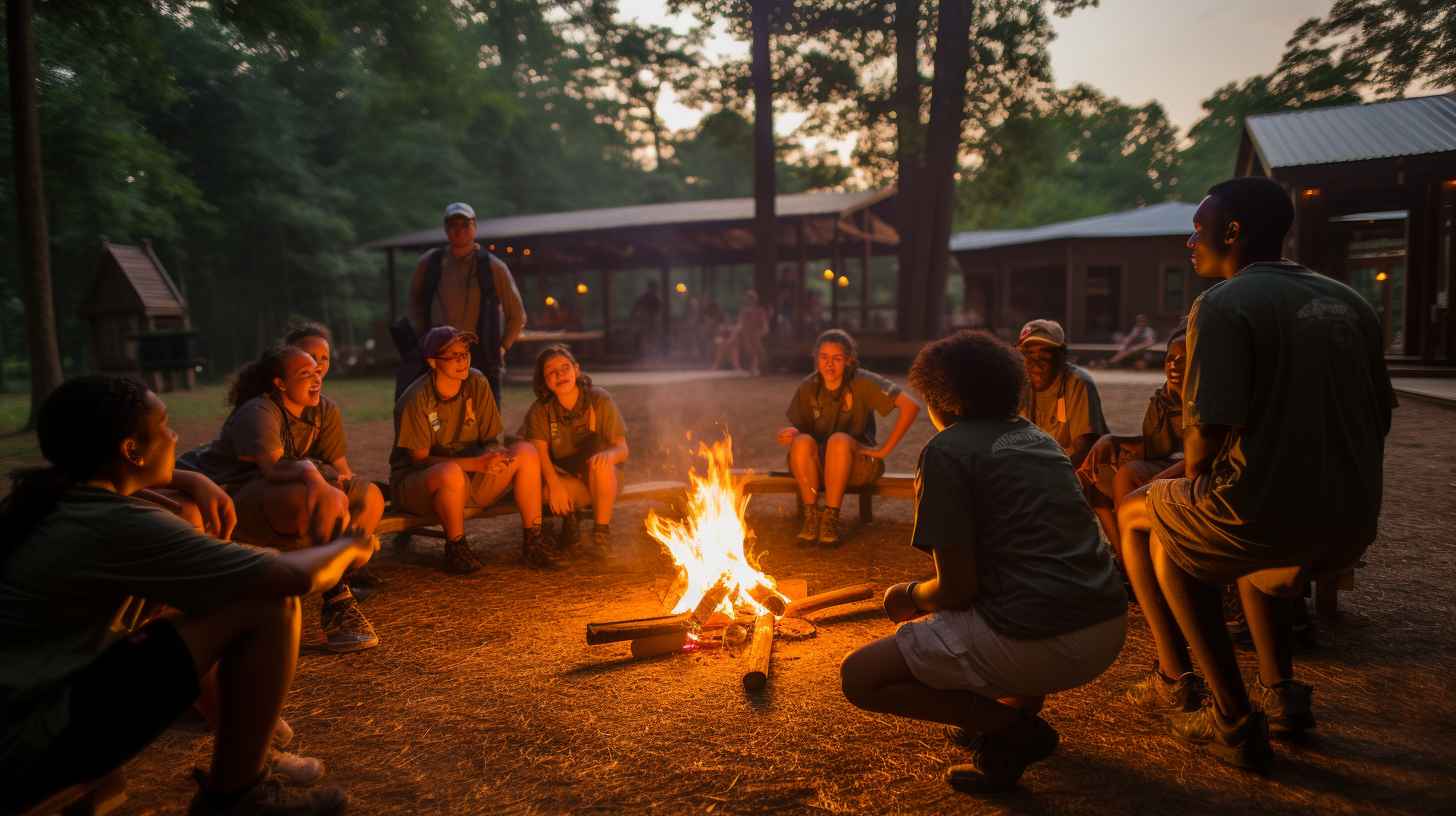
709 543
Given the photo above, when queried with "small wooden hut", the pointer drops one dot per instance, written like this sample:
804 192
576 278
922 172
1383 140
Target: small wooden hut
139 321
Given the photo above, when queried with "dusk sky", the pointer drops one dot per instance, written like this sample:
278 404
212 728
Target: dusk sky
1137 50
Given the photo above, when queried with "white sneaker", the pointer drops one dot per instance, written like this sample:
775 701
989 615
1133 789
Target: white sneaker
296 770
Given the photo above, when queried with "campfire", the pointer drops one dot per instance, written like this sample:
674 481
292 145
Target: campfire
720 598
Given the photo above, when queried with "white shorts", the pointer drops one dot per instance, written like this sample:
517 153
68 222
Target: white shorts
958 650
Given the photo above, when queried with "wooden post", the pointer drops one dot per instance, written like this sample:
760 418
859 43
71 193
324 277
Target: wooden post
834 597
393 286
864 273
760 650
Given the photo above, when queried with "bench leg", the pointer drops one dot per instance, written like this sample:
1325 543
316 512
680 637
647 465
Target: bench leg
108 795
1327 596
866 508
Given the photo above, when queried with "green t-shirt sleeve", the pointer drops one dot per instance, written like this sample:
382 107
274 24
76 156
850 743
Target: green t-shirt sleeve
256 430
610 426
158 556
880 393
536 425
942 501
331 443
414 428
1218 383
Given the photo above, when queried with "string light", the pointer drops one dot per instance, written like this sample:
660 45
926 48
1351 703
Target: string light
526 252
550 301
581 289
843 281
1381 277
510 249
681 288
829 274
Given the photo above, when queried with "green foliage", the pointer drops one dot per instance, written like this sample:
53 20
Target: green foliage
1404 41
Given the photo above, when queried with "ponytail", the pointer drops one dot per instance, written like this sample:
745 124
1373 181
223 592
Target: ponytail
256 378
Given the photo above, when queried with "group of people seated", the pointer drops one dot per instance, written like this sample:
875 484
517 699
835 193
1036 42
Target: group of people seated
1017 495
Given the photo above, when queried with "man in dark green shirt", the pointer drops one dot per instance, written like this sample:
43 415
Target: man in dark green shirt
1286 406
831 436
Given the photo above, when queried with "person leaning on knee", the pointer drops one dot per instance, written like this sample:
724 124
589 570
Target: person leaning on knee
831 435
79 544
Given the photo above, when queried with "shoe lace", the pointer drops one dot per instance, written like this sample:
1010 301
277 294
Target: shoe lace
347 616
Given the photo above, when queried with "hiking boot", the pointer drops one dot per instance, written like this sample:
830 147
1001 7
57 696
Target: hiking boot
809 533
345 627
1156 692
1286 705
570 534
460 559
601 541
999 758
536 549
829 527
299 771
1242 744
267 797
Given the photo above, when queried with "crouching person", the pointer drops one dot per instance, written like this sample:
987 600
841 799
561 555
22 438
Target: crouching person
78 544
580 437
274 456
446 457
1025 601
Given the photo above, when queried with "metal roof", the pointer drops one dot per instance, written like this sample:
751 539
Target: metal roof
155 292
1349 133
723 210
1381 215
1168 218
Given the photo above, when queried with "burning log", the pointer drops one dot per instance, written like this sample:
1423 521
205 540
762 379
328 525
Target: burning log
834 597
710 601
615 631
659 644
759 652
770 598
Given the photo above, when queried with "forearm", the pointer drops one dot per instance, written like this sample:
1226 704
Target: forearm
618 452
511 304
933 595
310 570
908 410
548 468
187 480
341 464
1080 446
291 470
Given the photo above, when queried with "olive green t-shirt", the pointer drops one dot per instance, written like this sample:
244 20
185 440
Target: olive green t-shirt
1294 363
1007 490
463 425
1162 426
61 586
1069 409
261 425
594 424
820 412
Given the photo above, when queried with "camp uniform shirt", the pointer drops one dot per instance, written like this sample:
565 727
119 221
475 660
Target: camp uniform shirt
816 411
593 425
460 426
261 425
1006 489
1294 363
1162 426
62 585
1069 409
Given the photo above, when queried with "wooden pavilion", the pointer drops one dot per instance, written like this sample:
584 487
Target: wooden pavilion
139 320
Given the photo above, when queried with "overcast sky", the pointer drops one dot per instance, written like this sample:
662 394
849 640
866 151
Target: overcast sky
1173 51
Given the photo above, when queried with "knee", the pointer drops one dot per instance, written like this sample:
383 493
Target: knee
1132 511
803 447
526 457
854 681
839 443
446 476
274 613
373 500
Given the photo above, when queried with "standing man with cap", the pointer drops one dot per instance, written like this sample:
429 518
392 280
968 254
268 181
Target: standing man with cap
462 284
1060 398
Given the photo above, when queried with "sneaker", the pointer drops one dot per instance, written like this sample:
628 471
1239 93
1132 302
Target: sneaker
282 733
299 771
1155 692
345 627
536 549
460 559
267 797
999 758
829 527
570 534
601 541
809 533
1286 705
1242 744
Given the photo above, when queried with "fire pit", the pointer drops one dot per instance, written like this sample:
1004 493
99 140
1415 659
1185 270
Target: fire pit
721 598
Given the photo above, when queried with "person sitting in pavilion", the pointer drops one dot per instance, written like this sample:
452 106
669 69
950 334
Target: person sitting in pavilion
1060 398
1117 465
76 701
446 457
1286 378
1140 339
1025 601
831 432
580 437
277 456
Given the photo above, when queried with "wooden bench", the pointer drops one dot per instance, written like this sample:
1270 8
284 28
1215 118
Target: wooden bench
408 524
96 798
891 485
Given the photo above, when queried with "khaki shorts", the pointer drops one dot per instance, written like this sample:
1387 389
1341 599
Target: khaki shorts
253 526
412 492
863 469
1217 553
958 650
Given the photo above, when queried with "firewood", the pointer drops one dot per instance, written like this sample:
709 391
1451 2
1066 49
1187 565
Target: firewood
759 652
770 598
834 597
615 631
659 644
710 601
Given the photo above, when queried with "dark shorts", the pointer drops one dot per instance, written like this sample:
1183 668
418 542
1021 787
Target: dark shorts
1215 552
119 704
412 494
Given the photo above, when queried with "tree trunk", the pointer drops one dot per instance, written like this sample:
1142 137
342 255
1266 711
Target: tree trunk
927 161
35 256
765 233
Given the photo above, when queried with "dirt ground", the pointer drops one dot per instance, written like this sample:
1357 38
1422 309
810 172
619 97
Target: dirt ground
484 697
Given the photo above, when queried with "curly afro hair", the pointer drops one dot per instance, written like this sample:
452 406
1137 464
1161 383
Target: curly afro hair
969 375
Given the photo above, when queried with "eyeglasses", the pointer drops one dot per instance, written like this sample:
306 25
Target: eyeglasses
457 357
